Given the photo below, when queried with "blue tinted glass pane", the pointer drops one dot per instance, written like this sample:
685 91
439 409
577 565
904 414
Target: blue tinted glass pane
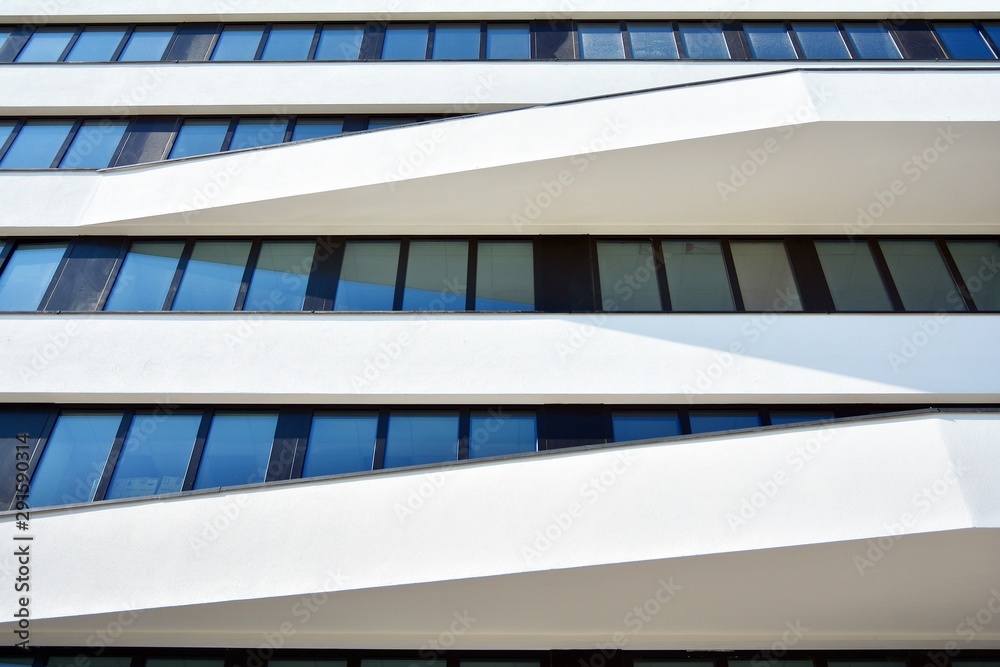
155 456
280 277
707 421
6 127
644 425
251 133
313 128
783 417
94 145
383 123
505 276
368 276
921 276
213 276
146 44
419 438
405 42
236 450
36 145
992 29
28 274
769 41
601 41
341 443
435 275
199 137
145 276
652 41
821 41
238 43
963 41
501 433
456 42
4 34
289 42
45 45
96 45
74 458
872 41
508 42
703 41
340 42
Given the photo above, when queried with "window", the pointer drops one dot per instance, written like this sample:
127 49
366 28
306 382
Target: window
696 276
46 45
238 42
821 41
769 41
703 41
419 438
213 276
601 41
256 132
499 433
96 44
37 144
644 425
281 275
314 128
289 42
456 41
145 276
436 274
146 44
340 42
505 276
708 421
765 276
992 29
405 42
387 122
872 41
852 276
72 660
508 41
199 137
652 41
73 461
368 276
963 41
27 275
237 450
341 443
785 417
921 276
977 262
628 276
94 145
155 456
4 34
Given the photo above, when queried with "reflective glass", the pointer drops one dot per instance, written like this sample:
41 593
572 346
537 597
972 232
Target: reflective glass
146 44
45 45
707 421
992 29
644 425
963 41
652 41
921 276
199 137
368 276
340 42
4 34
145 276
769 41
784 417
387 122
456 42
765 276
703 41
306 663
74 458
238 42
436 272
6 128
499 433
36 145
508 41
405 42
314 128
628 276
339 443
872 41
182 662
505 276
978 263
155 456
601 41
775 663
94 145
281 275
289 42
236 450
96 44
213 276
28 274
254 132
821 41
417 438
402 663
74 661
696 276
852 276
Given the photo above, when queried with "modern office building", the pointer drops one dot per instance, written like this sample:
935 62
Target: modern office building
553 333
